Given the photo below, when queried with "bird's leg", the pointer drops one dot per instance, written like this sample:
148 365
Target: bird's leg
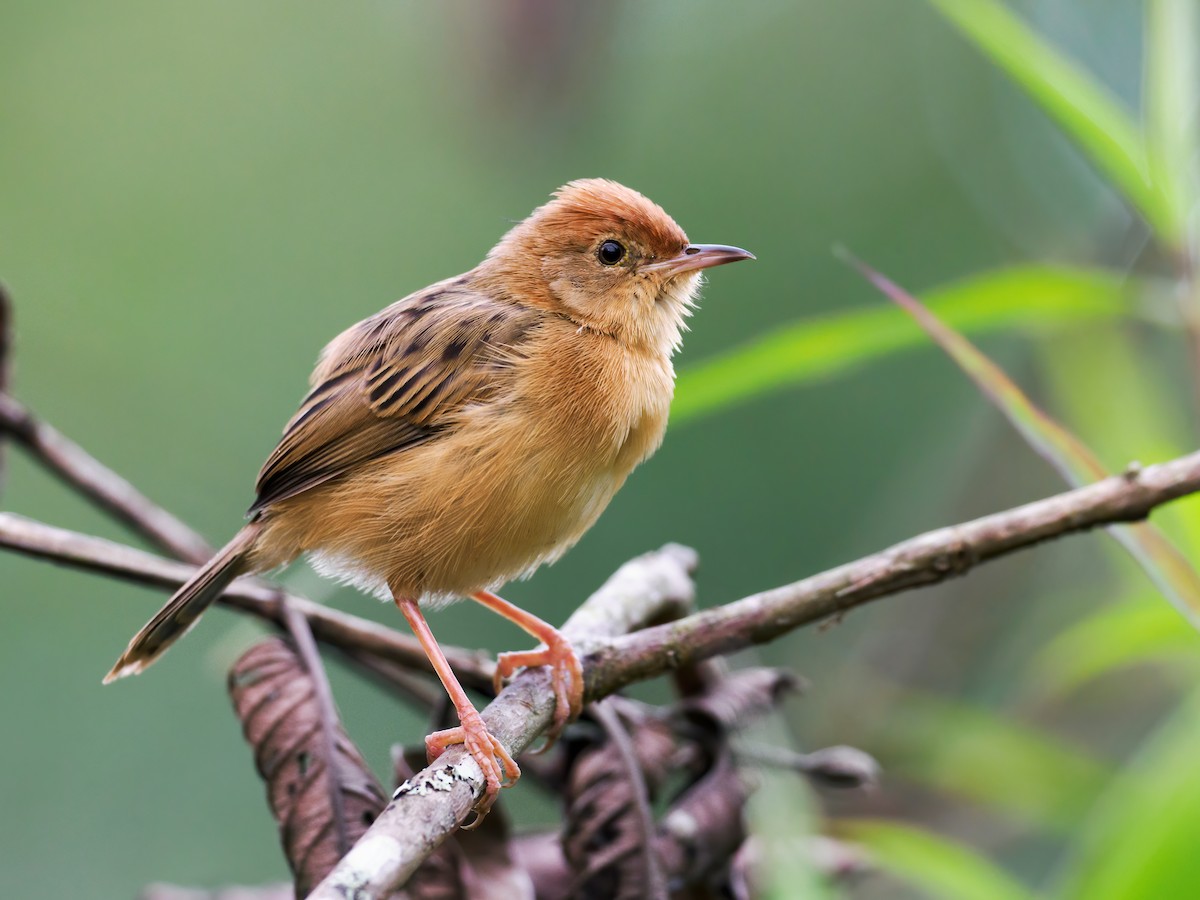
558 654
499 769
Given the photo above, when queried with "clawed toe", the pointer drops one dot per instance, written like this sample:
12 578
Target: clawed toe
499 768
567 680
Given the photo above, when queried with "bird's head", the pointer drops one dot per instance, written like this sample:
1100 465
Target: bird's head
608 259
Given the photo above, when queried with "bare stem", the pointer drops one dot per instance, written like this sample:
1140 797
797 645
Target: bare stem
350 633
926 559
100 484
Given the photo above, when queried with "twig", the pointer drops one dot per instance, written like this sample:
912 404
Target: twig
411 827
100 484
331 626
423 692
839 766
926 559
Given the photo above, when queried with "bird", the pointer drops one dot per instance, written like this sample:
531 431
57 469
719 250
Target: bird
473 431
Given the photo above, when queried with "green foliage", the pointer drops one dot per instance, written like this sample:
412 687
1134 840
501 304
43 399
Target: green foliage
1087 112
1032 298
1123 634
1167 567
1172 100
1136 840
941 868
1140 840
990 759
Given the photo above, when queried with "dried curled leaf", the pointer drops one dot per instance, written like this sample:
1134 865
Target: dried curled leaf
740 697
608 840
323 797
704 827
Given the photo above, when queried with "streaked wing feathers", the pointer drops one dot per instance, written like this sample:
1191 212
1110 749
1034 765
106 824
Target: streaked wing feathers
391 382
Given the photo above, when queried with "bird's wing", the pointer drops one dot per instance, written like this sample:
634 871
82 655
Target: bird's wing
392 382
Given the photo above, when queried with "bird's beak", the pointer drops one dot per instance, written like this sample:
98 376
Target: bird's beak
698 256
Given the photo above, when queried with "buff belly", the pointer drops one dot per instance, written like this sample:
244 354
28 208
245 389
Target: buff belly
447 518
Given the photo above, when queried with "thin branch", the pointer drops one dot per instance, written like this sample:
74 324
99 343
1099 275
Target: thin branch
423 692
331 626
839 766
414 824
926 559
100 484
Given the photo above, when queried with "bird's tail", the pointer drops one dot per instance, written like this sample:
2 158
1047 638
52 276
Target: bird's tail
183 609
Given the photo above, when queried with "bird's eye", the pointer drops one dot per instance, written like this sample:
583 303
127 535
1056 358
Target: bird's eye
610 253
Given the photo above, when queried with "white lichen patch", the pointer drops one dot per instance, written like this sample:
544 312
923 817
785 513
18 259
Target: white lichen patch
441 780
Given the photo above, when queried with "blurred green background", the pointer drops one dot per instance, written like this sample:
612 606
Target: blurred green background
195 197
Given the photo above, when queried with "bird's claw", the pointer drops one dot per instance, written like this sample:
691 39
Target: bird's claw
499 768
567 679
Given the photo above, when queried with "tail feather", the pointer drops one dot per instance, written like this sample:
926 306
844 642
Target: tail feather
186 606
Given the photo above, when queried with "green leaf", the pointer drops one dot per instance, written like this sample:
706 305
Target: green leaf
1122 634
1140 840
1167 567
1172 101
1081 106
990 759
936 865
1027 297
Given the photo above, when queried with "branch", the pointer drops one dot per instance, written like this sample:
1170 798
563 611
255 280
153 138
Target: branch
926 559
347 632
100 484
416 822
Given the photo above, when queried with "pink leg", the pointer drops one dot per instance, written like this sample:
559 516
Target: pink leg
559 655
498 766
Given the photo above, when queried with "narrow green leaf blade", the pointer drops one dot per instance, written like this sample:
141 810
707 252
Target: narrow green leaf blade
990 758
1140 839
1172 102
1167 567
938 866
1082 107
1114 637
1030 297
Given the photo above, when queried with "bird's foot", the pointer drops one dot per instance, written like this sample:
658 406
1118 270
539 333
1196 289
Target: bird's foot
499 768
567 673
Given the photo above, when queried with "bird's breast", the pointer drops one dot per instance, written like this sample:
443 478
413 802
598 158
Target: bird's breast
608 404
511 484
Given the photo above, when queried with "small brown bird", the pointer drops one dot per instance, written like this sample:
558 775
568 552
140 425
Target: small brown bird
475 430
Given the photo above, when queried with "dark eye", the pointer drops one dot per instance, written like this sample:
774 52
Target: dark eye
610 253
